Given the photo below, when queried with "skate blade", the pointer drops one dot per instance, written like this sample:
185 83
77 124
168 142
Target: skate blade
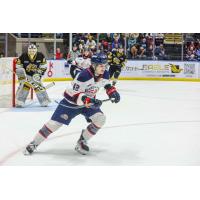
26 153
81 151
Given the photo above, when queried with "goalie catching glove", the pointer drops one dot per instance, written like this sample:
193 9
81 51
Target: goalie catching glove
91 102
112 93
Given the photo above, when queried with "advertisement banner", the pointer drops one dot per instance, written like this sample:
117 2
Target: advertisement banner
165 69
59 69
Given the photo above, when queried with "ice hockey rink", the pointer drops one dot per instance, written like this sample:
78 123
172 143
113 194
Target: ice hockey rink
155 123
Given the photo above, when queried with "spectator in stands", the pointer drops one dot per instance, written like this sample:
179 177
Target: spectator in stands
109 40
123 39
116 43
58 54
102 37
198 53
149 38
132 44
105 44
81 48
160 52
142 48
149 52
191 53
116 36
90 44
191 45
159 39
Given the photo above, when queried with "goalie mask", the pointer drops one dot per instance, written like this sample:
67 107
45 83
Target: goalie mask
32 51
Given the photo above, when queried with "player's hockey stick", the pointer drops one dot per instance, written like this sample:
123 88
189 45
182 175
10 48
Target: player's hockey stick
83 106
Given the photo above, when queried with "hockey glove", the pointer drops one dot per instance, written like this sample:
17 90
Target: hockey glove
113 94
91 102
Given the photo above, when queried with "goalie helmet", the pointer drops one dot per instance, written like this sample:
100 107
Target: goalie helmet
32 50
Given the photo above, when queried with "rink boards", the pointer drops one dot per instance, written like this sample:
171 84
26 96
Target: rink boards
58 70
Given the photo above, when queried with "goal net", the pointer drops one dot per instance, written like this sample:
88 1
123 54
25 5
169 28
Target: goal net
8 82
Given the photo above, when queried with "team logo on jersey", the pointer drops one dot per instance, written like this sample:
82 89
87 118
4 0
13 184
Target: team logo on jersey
31 68
64 116
92 90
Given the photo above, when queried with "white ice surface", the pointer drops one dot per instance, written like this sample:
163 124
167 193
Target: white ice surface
155 123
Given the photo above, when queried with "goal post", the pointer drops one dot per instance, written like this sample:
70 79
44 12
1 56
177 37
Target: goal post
8 82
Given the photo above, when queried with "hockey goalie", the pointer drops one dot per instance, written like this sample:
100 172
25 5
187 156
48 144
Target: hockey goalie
30 69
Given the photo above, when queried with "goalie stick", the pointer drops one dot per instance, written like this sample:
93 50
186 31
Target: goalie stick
34 84
38 86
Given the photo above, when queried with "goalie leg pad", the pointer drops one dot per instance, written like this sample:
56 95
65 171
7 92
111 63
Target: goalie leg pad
43 98
21 74
22 94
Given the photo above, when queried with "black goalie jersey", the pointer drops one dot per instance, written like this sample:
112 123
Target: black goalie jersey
34 65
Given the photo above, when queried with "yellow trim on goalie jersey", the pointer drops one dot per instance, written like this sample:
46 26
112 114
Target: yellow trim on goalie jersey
133 78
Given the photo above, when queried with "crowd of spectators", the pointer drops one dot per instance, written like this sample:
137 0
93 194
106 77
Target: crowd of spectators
106 41
141 46
138 46
192 50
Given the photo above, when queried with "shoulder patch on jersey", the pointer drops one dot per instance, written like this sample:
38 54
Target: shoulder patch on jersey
84 76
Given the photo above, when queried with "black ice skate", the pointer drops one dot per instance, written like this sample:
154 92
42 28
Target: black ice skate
30 148
114 82
81 146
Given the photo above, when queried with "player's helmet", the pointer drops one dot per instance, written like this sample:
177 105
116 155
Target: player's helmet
99 58
32 50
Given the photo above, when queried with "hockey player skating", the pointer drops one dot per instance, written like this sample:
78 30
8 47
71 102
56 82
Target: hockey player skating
83 92
116 60
80 63
72 55
30 69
